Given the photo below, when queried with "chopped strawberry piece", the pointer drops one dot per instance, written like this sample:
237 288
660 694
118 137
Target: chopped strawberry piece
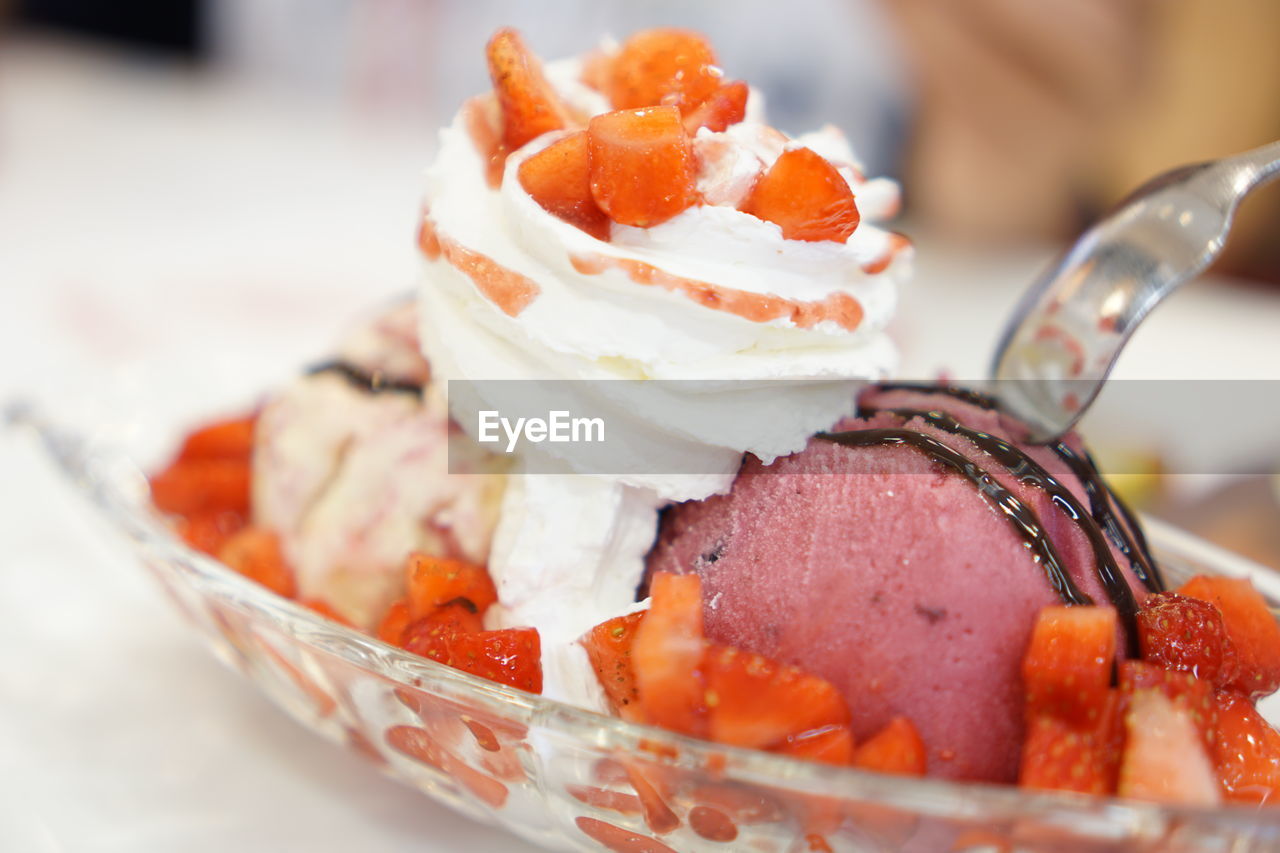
828 745
194 486
209 531
559 178
1252 628
453 617
255 553
433 582
896 748
608 648
1191 694
326 610
643 171
1067 667
663 66
227 439
530 107
394 624
1183 633
1062 755
725 106
509 656
667 655
1246 752
754 702
806 196
1164 759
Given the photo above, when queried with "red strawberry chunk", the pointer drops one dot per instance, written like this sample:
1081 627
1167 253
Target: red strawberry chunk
662 66
754 702
255 553
1190 694
1067 667
1064 755
896 748
828 745
668 652
511 656
226 439
394 624
1246 752
209 531
1164 758
643 171
725 106
806 196
1183 633
608 648
1252 628
433 582
530 107
559 178
194 486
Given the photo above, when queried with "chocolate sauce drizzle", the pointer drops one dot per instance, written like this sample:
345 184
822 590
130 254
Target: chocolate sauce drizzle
1106 516
1024 521
372 382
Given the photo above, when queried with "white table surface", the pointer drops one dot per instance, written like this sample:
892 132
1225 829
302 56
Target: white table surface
181 244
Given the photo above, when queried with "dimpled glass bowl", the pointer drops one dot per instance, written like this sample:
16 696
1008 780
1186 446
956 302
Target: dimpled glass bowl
569 779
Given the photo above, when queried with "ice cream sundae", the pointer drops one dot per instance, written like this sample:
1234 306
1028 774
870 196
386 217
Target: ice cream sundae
813 561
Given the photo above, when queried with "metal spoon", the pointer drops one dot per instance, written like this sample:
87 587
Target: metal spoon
1065 335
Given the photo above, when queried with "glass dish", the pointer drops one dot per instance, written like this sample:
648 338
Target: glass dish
569 779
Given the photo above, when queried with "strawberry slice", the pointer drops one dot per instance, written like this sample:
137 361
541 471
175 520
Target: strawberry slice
530 107
896 748
255 553
440 626
209 531
754 702
1246 752
394 623
1164 759
608 648
828 745
433 582
225 439
1190 694
509 656
806 196
1253 631
1067 667
725 106
193 486
663 66
667 655
559 178
643 170
1183 633
1061 755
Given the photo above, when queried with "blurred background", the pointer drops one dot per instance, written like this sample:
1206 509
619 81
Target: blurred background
199 156
198 196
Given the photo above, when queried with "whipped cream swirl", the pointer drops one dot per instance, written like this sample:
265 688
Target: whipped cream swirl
511 291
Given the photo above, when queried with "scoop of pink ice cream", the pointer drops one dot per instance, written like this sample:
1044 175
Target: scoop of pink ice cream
908 564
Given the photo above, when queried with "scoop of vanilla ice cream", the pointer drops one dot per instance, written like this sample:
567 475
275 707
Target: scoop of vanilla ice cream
353 478
510 291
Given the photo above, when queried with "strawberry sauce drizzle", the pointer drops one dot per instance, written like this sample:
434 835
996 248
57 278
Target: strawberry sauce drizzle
840 308
897 245
505 288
